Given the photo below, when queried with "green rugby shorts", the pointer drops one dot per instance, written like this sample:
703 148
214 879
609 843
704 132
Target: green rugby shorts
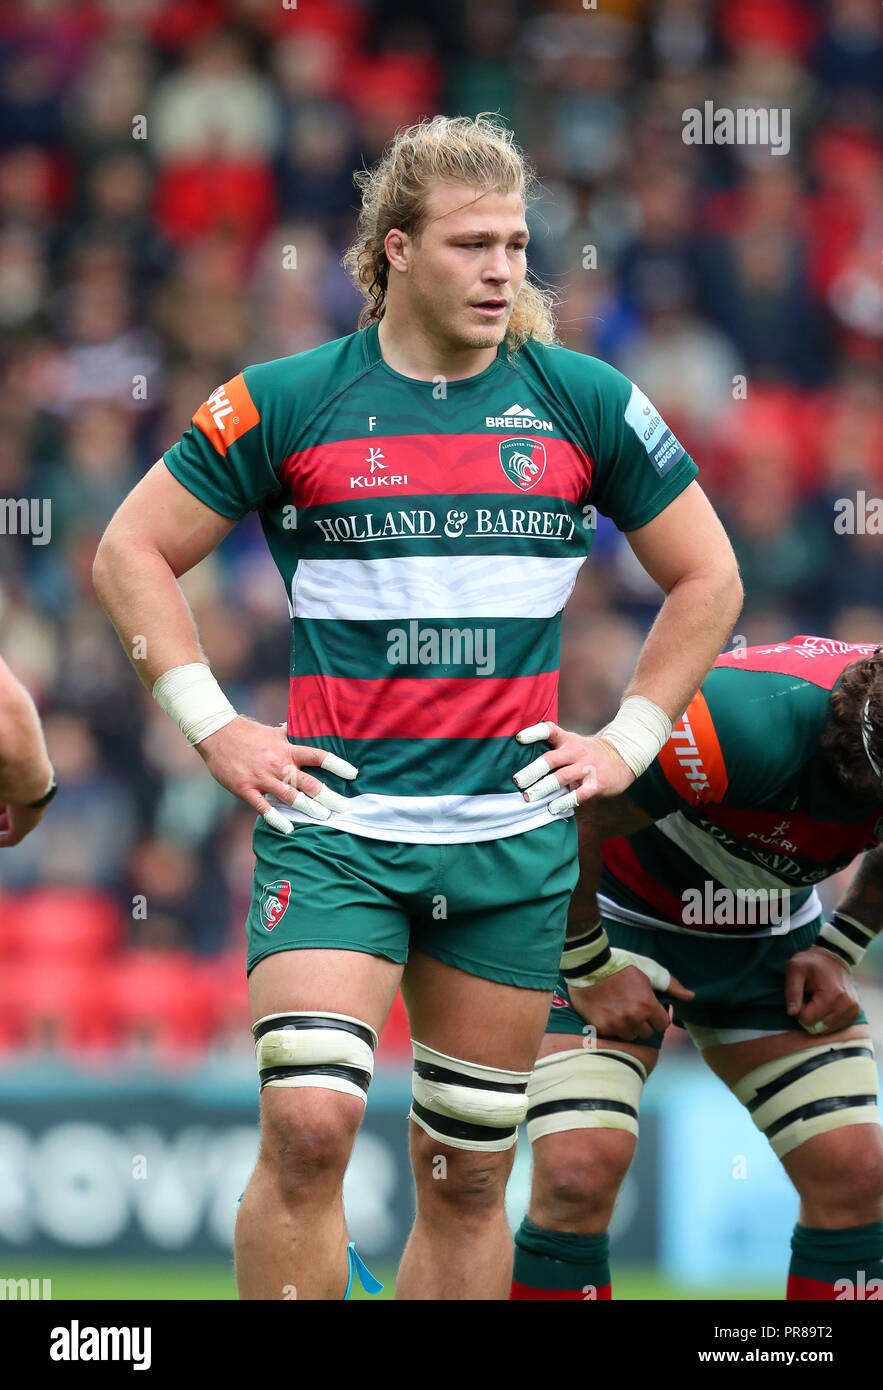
739 985
497 908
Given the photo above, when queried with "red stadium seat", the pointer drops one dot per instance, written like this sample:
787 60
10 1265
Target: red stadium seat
160 999
225 979
60 924
54 1005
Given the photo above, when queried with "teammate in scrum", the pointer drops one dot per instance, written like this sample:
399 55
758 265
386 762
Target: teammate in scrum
418 549
771 782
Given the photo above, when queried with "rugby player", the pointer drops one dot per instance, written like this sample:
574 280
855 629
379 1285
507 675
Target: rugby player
424 485
27 779
771 782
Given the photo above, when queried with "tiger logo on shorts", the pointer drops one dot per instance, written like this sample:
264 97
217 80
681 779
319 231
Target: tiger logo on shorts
274 902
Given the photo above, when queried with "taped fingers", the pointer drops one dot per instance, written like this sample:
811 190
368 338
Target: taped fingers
535 733
585 1088
464 1104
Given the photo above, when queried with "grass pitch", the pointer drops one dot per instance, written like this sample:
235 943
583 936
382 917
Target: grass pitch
142 1282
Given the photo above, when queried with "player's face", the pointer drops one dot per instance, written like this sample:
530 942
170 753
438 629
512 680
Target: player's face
468 264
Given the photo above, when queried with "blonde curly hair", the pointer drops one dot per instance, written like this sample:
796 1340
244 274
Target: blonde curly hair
480 152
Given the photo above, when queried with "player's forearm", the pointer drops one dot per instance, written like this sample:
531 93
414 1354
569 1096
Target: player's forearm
598 821
143 599
25 769
863 899
689 631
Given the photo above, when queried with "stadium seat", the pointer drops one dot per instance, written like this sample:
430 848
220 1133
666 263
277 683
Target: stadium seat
160 999
60 924
226 982
55 1005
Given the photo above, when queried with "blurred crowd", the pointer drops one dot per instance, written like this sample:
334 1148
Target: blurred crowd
159 159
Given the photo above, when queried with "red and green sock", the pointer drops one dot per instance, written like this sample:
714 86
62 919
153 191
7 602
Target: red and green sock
834 1265
560 1264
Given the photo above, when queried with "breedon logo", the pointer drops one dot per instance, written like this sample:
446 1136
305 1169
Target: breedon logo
523 461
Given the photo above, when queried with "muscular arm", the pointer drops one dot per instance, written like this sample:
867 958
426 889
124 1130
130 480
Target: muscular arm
25 769
819 987
159 533
863 899
687 552
598 820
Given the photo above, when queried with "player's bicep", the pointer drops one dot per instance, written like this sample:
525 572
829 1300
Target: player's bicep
686 538
160 514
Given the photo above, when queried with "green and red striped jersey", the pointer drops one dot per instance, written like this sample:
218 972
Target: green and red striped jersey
429 534
743 799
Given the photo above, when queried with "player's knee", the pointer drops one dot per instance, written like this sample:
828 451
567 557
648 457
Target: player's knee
306 1141
818 1109
471 1184
842 1173
465 1106
315 1070
576 1178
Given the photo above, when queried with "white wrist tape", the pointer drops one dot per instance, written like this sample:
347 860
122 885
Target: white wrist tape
590 958
846 937
638 732
192 697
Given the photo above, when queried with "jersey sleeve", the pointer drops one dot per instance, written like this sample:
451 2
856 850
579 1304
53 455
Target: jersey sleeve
690 769
639 465
224 458
740 739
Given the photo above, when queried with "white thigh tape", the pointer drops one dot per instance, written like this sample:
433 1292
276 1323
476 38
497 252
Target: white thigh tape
331 1051
811 1092
466 1105
586 1088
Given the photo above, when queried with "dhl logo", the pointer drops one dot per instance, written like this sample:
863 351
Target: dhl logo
227 414
692 759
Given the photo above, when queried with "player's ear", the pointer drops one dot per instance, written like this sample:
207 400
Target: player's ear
397 246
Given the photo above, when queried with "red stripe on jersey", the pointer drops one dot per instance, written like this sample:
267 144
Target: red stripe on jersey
524 1292
794 832
431 465
399 707
624 864
809 1290
819 660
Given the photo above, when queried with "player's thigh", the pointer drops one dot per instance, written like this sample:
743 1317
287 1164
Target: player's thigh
732 1061
326 943
479 980
815 1099
315 1066
468 1016
355 983
582 1116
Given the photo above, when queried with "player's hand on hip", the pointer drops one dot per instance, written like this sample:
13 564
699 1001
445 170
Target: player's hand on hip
577 766
16 822
624 1005
820 992
255 761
